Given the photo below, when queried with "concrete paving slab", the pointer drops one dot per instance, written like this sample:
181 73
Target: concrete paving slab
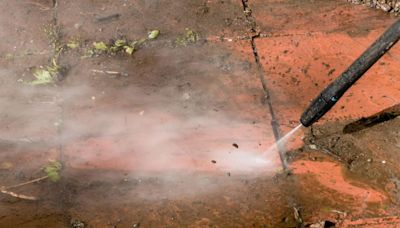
277 17
180 135
108 19
196 105
298 67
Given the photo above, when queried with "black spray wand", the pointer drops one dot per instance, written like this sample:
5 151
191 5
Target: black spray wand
331 94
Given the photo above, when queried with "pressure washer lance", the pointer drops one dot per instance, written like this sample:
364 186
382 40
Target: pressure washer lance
331 94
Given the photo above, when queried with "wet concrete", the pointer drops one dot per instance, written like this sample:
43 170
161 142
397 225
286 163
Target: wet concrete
180 136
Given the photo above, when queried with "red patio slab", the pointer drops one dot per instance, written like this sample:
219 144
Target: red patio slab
22 24
192 107
283 17
298 67
28 113
157 132
327 190
136 18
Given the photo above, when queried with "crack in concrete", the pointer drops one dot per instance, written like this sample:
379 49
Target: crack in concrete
64 193
261 74
292 198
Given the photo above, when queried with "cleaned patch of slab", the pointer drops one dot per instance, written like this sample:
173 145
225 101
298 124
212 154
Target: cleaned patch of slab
298 67
203 104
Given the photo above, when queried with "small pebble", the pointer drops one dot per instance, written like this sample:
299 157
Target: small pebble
213 161
383 162
313 147
186 96
93 98
77 25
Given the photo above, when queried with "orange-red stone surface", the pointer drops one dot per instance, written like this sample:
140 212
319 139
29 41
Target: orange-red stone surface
182 135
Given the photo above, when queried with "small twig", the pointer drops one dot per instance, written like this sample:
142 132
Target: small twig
297 217
4 189
114 16
20 196
25 183
41 6
110 72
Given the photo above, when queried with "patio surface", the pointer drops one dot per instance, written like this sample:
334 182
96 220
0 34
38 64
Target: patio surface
179 133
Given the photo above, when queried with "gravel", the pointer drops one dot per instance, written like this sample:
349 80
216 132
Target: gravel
390 6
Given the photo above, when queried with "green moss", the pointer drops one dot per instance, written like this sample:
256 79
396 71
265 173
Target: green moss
188 37
53 33
74 43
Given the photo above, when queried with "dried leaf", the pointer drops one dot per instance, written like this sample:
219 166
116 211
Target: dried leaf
100 46
42 77
129 50
53 170
72 44
154 34
120 43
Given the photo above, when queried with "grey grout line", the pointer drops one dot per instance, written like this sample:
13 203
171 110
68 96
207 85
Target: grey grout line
291 197
261 75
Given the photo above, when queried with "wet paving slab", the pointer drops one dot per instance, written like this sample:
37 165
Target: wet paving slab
277 17
179 134
309 63
110 19
176 138
291 88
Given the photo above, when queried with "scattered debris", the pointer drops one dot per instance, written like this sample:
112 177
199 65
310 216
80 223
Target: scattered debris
48 74
297 216
111 17
235 145
114 73
54 35
213 161
391 6
323 224
52 173
188 37
154 34
53 170
42 77
76 223
73 43
313 147
20 196
101 46
117 46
